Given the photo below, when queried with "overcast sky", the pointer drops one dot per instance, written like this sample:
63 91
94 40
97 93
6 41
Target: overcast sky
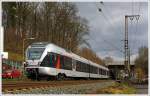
107 26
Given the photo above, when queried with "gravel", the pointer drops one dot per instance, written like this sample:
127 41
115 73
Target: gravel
70 89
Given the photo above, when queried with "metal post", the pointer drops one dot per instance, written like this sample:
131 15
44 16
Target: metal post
23 50
126 46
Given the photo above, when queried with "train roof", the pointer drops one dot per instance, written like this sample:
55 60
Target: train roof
59 50
39 44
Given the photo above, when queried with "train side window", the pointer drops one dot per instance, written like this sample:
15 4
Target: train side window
103 72
84 67
73 63
67 63
91 69
78 67
81 69
87 68
62 62
99 71
95 70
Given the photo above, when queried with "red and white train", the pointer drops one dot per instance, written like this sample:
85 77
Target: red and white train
47 59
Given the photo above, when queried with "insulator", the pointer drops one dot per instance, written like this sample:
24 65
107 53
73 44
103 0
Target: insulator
131 18
137 18
102 2
100 10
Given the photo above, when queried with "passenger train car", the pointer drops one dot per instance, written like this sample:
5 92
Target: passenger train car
47 59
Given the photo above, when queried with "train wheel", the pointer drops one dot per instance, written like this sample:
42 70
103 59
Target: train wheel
60 77
64 77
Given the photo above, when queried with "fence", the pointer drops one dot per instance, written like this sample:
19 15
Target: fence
13 64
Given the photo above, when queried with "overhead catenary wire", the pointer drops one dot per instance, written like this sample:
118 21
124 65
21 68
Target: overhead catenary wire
132 12
131 26
137 23
110 23
109 15
110 44
132 9
134 39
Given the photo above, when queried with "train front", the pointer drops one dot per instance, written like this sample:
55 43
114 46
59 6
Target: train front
34 55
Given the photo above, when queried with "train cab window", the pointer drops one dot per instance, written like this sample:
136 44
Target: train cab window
45 62
34 53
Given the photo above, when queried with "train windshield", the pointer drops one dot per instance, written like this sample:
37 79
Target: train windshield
34 53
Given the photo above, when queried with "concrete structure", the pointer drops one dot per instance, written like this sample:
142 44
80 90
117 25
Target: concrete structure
118 67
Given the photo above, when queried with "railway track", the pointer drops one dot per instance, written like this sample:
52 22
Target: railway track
31 85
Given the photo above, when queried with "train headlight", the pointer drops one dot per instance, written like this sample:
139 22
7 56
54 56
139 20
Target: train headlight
26 64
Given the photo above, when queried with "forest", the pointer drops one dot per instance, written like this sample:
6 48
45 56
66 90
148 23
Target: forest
54 22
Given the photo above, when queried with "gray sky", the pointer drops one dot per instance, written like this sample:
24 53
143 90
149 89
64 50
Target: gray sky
107 27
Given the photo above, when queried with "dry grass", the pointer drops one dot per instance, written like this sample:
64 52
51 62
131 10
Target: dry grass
15 56
117 89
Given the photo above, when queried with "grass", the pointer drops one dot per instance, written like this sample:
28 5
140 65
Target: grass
118 88
15 79
15 56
